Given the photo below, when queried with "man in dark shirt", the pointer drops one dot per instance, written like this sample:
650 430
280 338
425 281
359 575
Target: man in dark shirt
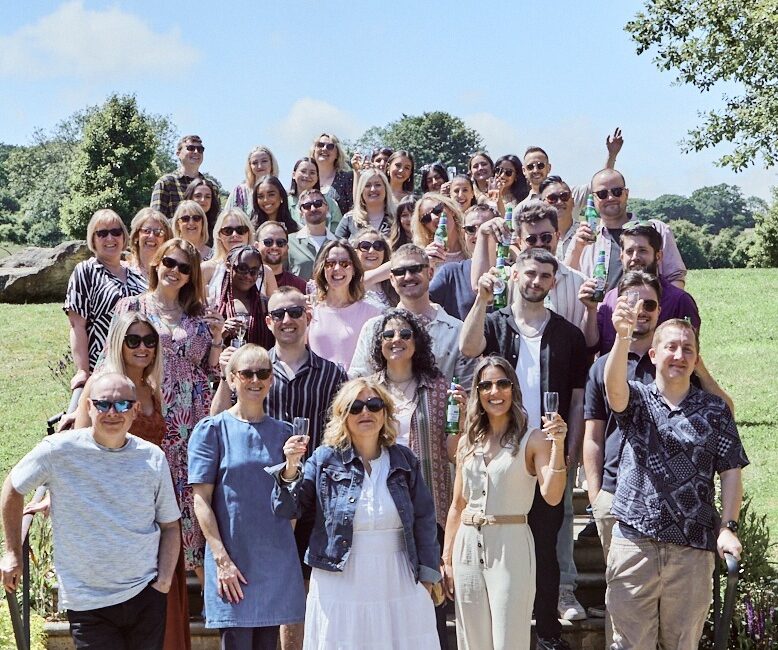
549 354
169 190
675 436
273 243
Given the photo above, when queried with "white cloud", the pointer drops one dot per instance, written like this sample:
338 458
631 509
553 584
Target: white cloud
500 137
75 42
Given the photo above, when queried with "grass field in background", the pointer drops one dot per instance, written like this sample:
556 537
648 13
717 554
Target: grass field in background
739 311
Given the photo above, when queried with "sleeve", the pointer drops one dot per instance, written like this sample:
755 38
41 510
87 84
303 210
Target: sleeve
361 364
336 216
438 285
159 198
730 453
688 307
297 499
580 193
465 367
77 294
204 452
671 266
629 420
595 406
491 334
166 505
33 470
579 359
343 231
425 530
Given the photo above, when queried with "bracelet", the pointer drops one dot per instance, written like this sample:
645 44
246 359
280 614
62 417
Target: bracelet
220 344
562 470
289 480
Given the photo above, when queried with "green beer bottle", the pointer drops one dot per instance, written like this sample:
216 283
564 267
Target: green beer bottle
441 232
452 411
500 286
600 276
592 217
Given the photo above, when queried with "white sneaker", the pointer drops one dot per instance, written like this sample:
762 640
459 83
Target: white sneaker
569 608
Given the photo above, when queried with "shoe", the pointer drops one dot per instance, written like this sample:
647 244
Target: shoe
590 530
569 608
551 643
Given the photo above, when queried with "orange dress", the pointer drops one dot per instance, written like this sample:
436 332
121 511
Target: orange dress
152 429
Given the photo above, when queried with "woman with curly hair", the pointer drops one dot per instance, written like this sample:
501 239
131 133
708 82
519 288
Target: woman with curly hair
489 547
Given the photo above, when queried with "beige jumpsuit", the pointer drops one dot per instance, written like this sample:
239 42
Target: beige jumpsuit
494 566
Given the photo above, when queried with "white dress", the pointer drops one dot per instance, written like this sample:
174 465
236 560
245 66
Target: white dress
374 603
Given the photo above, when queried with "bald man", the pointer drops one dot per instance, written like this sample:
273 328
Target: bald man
115 521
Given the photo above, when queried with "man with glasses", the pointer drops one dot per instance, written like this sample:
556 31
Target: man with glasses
549 354
610 198
169 190
411 274
641 250
557 193
274 249
305 244
115 520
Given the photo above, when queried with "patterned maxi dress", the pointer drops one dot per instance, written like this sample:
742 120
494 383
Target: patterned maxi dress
186 397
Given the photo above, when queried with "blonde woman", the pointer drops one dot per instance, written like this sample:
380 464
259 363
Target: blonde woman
375 206
148 230
374 253
374 538
424 223
260 162
335 175
191 223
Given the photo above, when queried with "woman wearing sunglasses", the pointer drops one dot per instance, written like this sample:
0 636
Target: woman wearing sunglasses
191 224
335 177
272 204
149 229
191 339
424 223
341 309
375 207
374 539
253 581
489 547
511 186
259 163
374 254
305 176
94 288
202 192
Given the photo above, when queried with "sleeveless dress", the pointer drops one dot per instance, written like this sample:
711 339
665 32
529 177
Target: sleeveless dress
374 603
152 429
494 567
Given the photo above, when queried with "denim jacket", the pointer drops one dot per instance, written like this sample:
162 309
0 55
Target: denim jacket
331 484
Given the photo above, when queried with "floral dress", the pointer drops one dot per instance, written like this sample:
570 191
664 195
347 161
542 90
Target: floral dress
186 399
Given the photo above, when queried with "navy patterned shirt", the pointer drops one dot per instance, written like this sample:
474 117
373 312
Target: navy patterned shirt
665 488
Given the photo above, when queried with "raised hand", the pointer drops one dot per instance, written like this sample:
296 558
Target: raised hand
614 143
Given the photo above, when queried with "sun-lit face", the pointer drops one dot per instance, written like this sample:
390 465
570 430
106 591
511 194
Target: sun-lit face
174 278
325 155
110 246
462 192
538 235
191 153
425 207
675 355
190 225
370 258
379 162
112 423
374 192
405 220
140 357
234 238
472 222
647 320
507 172
273 244
611 207
434 181
554 195
251 389
480 168
305 176
287 330
395 348
365 423
269 198
536 168
496 401
203 196
535 279
314 209
637 254
400 169
245 272
338 270
414 282
150 235
261 164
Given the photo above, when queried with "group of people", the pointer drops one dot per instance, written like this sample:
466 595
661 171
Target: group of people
330 355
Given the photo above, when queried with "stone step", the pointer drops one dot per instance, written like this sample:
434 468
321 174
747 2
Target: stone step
587 554
590 590
580 501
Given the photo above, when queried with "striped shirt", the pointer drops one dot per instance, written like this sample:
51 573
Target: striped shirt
563 298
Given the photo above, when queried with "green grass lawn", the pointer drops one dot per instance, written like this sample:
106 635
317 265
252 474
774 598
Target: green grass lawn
739 344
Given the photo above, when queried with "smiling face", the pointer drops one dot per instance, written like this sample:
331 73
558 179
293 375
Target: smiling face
544 235
425 207
396 349
462 192
287 331
245 278
474 219
148 241
374 193
612 208
434 181
637 254
365 424
646 322
535 168
235 239
272 254
379 162
534 278
173 278
252 390
140 357
111 426
325 156
400 170
261 164
109 247
674 354
496 401
269 198
192 230
192 158
411 286
564 208
305 176
338 270
371 259
480 168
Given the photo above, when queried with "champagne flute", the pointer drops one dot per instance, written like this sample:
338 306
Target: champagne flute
300 428
213 296
310 292
633 297
240 330
550 406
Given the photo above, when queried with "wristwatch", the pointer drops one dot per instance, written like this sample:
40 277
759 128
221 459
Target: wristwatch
731 525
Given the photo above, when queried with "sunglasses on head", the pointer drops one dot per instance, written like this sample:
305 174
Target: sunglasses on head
427 216
406 334
544 237
133 341
157 232
245 269
170 263
615 192
269 241
228 231
331 264
645 223
470 230
294 312
503 171
195 147
377 245
186 218
260 373
329 146
561 197
486 385
104 232
119 405
535 165
413 269
374 404
316 203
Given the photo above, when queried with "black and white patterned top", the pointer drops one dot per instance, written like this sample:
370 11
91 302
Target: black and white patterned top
664 488
93 292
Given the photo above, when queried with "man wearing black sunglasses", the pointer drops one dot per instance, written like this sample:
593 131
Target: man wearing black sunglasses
274 249
305 244
115 520
169 190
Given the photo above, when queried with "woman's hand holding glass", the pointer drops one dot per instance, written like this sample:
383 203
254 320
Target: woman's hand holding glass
555 429
294 449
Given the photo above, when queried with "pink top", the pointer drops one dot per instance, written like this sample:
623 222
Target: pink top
334 331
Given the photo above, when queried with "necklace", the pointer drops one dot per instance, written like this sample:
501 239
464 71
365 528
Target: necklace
403 390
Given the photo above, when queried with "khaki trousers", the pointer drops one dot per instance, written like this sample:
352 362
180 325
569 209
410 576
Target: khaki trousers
601 510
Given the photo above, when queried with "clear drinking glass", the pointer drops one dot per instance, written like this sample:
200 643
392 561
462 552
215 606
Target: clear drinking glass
633 297
550 406
240 330
300 428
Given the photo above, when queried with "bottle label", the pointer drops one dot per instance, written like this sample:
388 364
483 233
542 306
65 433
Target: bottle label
452 413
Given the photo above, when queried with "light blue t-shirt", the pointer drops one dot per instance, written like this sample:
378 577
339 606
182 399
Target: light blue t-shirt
106 507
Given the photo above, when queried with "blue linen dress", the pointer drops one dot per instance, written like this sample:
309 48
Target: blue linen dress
232 454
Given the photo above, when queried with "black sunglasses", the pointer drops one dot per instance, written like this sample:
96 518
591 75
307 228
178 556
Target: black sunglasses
374 404
406 334
104 232
170 263
316 203
133 341
544 237
157 232
536 165
329 146
269 241
185 218
649 306
562 197
294 312
427 216
615 192
120 405
195 147
245 269
486 385
377 245
227 231
262 373
502 171
413 269
470 230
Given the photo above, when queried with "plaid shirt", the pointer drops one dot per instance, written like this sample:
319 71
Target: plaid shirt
169 192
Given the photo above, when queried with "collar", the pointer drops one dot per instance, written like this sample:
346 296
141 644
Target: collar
314 361
691 395
604 230
304 234
507 313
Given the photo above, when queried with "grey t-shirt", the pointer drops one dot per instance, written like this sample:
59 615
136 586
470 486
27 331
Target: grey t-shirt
105 508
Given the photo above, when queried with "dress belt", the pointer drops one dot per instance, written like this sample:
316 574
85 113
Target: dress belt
480 519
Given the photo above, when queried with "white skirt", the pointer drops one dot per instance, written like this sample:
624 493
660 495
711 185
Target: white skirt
374 604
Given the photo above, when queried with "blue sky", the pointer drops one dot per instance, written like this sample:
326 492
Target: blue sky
560 75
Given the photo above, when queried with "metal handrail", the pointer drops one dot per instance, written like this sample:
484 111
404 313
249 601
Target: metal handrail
722 620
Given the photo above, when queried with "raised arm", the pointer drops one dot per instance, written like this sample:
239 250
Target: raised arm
472 340
616 386
613 144
547 461
485 251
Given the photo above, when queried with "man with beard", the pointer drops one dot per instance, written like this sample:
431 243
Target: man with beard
641 250
549 354
273 248
305 244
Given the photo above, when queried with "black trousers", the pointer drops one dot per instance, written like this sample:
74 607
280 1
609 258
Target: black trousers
136 624
545 521
249 638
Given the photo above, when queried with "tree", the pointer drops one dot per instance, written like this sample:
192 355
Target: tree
721 206
765 251
673 207
693 244
708 42
430 137
113 165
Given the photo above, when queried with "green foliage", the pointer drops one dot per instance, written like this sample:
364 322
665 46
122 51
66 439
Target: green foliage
765 250
692 242
722 206
709 42
37 633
